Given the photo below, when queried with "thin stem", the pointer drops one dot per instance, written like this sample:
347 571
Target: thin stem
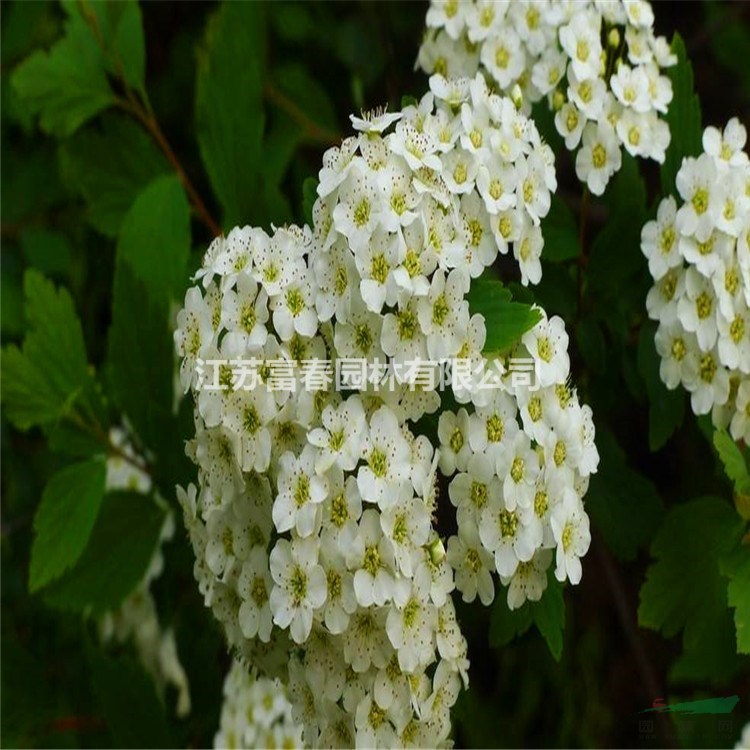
147 118
95 430
145 115
311 129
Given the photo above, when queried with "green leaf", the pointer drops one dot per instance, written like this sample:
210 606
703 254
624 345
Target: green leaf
41 380
624 506
737 568
666 409
560 233
150 271
64 520
155 238
133 710
294 81
683 118
309 196
109 166
506 321
66 85
684 589
548 614
229 115
121 26
734 462
116 558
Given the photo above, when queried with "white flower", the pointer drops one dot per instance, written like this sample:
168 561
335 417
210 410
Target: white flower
410 628
254 587
301 491
580 39
472 563
300 585
387 453
659 240
599 157
529 581
509 534
570 526
695 183
340 438
740 425
547 342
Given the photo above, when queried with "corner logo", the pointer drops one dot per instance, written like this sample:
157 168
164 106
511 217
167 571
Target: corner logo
708 706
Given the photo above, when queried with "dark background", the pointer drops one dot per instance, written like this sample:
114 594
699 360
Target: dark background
363 54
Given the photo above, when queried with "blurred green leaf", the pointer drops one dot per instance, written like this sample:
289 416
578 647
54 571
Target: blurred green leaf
623 504
41 380
666 408
292 21
229 115
150 271
66 85
116 558
131 706
683 118
296 83
108 166
560 233
684 589
121 27
64 520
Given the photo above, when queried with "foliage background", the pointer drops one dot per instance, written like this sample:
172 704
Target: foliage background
269 87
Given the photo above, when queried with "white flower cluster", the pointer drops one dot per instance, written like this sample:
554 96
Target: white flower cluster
698 254
597 62
256 713
522 459
137 619
312 523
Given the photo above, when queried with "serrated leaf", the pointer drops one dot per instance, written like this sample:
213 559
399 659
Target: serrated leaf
132 709
684 589
623 504
506 321
731 457
560 233
109 166
548 614
116 558
229 125
41 380
64 520
683 118
66 85
666 409
737 568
